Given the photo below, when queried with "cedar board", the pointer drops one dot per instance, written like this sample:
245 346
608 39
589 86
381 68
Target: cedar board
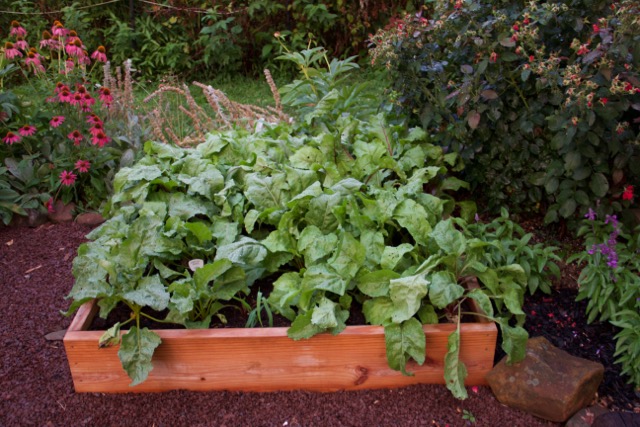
265 359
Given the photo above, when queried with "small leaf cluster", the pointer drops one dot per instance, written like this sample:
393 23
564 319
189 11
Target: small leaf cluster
610 281
540 98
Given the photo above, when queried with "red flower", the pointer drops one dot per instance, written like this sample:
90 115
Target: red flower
516 27
604 101
67 178
628 193
531 58
596 29
583 49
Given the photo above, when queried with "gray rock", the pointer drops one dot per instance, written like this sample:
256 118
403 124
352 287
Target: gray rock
585 417
549 383
617 419
36 217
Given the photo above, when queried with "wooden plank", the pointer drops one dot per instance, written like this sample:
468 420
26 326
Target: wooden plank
265 359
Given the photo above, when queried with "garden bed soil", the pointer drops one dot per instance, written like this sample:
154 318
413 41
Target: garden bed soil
36 387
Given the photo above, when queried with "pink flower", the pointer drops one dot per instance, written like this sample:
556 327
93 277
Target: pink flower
56 121
34 61
100 139
65 95
60 87
67 178
105 95
88 100
58 29
532 58
83 166
17 30
516 27
74 48
604 101
11 138
493 57
99 55
21 44
27 130
96 128
474 389
48 41
49 205
10 51
596 29
76 99
93 119
76 137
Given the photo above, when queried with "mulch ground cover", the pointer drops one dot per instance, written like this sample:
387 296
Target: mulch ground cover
36 387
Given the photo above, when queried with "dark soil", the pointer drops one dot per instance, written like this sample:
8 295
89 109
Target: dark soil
36 387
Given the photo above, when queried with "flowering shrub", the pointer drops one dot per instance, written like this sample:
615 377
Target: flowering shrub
57 145
541 99
610 280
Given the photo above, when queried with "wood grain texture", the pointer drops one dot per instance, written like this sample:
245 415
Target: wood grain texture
265 359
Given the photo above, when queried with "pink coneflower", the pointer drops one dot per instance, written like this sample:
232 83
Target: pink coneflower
76 137
21 43
67 178
17 30
93 119
10 51
100 139
74 48
81 89
96 128
69 66
60 87
83 58
99 55
27 130
56 121
88 100
11 138
76 99
58 29
65 95
48 41
105 95
83 166
34 61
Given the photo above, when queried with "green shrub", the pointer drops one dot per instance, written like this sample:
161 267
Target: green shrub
539 98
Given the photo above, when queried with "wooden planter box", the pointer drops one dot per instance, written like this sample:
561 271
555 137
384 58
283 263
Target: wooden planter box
265 359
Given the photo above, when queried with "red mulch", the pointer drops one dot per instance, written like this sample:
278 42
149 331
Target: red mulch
36 387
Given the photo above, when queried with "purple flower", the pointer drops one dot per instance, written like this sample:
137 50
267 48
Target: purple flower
591 215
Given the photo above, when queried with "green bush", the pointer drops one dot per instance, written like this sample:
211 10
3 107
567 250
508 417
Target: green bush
539 98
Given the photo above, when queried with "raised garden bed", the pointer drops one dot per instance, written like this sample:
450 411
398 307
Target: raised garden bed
265 359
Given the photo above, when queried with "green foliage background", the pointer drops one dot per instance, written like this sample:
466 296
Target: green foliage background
202 40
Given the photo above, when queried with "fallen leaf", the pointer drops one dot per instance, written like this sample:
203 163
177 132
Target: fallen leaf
10 242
